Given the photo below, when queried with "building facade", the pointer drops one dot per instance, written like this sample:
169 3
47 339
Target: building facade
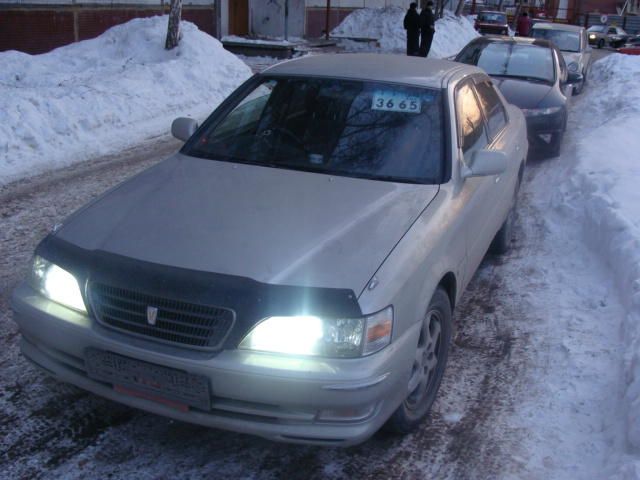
37 26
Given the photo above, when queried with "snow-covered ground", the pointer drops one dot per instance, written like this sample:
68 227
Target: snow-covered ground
385 24
99 96
603 190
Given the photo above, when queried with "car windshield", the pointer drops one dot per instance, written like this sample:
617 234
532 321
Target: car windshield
564 40
492 18
509 59
598 28
339 127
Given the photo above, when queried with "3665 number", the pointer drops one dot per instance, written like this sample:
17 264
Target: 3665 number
395 102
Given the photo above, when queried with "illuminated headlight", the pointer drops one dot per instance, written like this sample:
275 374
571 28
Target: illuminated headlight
323 337
573 67
536 112
56 284
592 37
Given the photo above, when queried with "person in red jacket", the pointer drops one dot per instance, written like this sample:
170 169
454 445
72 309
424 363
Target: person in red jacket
524 25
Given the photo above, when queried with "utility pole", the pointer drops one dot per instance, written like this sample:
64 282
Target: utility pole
286 19
326 20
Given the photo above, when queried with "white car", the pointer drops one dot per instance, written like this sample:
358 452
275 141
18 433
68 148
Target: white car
573 43
292 272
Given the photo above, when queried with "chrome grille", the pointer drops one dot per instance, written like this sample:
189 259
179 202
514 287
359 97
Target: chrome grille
177 322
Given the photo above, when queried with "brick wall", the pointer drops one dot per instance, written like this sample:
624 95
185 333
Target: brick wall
39 30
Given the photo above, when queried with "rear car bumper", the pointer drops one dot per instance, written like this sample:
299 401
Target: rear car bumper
293 399
493 29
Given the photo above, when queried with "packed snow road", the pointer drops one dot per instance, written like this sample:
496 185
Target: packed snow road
530 391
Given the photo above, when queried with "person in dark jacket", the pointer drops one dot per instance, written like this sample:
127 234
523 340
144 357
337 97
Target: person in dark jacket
427 29
412 26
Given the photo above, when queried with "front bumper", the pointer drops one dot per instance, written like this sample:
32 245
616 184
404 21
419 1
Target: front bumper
540 127
275 397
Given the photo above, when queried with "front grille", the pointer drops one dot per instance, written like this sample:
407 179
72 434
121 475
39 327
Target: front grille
179 323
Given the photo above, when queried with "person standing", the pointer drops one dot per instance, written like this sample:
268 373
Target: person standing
524 25
427 29
412 26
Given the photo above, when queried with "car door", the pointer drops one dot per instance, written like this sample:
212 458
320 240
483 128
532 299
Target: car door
477 192
503 138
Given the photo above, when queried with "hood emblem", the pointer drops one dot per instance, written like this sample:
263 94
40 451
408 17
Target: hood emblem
152 315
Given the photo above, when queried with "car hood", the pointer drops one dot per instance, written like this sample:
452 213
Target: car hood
271 225
522 93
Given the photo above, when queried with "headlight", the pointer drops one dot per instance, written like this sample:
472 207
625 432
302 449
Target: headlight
592 36
573 67
536 112
325 337
56 284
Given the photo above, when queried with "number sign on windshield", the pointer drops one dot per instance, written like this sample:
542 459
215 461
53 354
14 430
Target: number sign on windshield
388 100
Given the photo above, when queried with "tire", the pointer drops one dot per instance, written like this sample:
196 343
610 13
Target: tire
600 43
428 367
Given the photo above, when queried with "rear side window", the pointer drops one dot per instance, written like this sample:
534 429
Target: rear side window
470 122
493 108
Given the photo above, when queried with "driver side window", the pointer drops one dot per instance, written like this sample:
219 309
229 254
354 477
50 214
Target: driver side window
471 129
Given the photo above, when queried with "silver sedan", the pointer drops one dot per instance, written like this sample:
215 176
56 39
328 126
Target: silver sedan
292 271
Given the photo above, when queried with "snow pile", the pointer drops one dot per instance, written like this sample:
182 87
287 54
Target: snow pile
604 192
102 95
385 25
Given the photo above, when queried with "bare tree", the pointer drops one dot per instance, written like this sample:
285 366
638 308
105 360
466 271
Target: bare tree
460 7
173 32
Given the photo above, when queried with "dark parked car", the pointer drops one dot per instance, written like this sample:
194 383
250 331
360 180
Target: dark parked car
572 41
492 23
531 74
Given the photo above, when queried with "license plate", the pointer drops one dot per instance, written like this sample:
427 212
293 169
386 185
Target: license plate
163 383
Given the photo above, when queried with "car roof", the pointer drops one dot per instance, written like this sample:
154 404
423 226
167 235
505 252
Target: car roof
417 71
538 42
557 26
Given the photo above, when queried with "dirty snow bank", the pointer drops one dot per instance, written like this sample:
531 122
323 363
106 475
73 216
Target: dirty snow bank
604 192
385 24
102 95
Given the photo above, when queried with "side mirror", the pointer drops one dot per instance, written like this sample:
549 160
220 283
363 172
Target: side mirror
182 128
485 163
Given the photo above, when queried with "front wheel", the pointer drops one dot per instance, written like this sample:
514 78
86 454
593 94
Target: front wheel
600 43
428 366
